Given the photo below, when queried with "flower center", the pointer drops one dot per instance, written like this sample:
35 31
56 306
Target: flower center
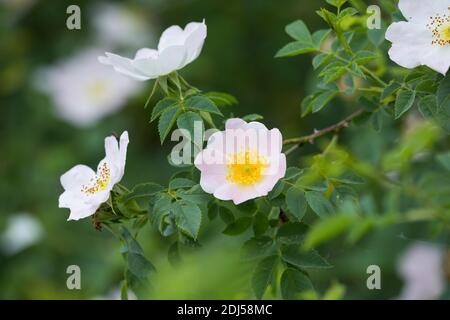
246 168
440 28
96 89
99 182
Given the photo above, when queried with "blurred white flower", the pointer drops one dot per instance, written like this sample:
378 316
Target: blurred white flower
425 38
22 231
243 162
85 189
176 49
422 270
118 25
83 90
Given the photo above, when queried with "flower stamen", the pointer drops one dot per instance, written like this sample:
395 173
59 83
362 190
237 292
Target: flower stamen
246 168
99 182
440 28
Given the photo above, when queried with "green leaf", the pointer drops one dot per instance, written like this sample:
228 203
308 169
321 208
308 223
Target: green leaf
202 103
163 105
327 229
178 183
319 203
141 191
292 282
404 102
222 99
139 265
188 217
195 195
299 31
320 60
260 224
263 274
296 202
294 49
167 120
322 100
237 227
252 117
363 57
376 36
349 177
190 121
311 259
319 37
444 90
292 233
347 12
390 89
258 247
337 3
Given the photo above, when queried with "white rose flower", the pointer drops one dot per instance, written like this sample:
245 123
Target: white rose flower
422 270
22 231
85 189
176 49
85 91
243 162
425 38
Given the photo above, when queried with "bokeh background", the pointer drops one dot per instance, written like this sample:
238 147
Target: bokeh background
43 67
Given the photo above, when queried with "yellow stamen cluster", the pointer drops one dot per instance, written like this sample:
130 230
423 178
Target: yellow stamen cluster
99 182
246 168
440 28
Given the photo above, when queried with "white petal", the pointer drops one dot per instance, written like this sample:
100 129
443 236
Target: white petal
76 177
235 123
420 11
173 35
123 65
195 39
438 59
82 211
145 53
170 59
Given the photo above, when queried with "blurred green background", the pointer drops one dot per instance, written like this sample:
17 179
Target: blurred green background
37 146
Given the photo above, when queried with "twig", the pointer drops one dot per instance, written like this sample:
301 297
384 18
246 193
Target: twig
300 141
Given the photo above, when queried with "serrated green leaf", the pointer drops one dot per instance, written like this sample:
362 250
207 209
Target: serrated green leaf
258 247
202 103
293 282
390 89
163 105
166 121
195 195
191 122
141 191
188 217
222 99
319 203
322 100
299 31
238 226
311 259
294 48
262 276
292 233
444 90
404 102
178 183
296 202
